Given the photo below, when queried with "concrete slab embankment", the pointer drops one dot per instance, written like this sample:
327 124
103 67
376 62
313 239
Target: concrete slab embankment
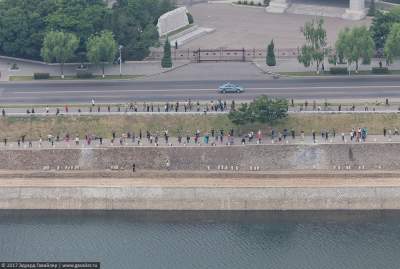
366 156
207 198
239 195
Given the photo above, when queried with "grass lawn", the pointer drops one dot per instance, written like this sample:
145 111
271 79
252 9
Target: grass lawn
323 74
29 78
33 127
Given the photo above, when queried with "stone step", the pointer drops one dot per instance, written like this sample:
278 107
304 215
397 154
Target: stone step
316 10
199 32
194 27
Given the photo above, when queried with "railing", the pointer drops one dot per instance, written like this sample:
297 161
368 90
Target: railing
202 55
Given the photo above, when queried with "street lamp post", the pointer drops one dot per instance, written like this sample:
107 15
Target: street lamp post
120 60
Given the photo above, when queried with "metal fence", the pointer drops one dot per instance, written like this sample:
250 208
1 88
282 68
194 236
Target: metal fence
217 55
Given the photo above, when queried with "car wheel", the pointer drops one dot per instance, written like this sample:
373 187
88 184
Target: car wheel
238 91
224 91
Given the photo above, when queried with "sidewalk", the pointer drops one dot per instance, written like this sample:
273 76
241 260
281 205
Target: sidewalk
292 65
27 68
204 107
158 140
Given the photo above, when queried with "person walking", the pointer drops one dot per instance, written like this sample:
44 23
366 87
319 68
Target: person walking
259 136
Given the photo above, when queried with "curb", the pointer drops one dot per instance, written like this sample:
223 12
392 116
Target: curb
268 72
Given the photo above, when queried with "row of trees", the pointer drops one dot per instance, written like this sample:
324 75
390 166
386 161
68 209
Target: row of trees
60 47
353 44
25 23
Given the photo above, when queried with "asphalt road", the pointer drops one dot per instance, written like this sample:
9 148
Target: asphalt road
67 92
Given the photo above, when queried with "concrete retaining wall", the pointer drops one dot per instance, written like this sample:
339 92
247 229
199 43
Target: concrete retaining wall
200 198
266 157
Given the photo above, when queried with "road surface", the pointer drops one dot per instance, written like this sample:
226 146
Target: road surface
68 92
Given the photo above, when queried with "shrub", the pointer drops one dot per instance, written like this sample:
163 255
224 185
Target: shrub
271 61
14 66
251 3
41 76
259 4
239 2
190 18
338 70
380 70
84 74
260 110
166 61
366 61
245 2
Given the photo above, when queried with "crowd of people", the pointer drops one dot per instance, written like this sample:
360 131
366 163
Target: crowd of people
377 106
186 106
197 106
212 137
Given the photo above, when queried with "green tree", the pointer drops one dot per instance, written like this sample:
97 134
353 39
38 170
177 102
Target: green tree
22 27
24 23
83 18
372 8
355 44
190 18
59 47
166 61
392 46
381 25
101 49
342 44
261 110
134 25
314 50
271 61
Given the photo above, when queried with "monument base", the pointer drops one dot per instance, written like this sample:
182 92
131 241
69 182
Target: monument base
277 7
354 15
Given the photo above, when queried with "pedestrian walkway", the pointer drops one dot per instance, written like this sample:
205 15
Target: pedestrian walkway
191 108
189 141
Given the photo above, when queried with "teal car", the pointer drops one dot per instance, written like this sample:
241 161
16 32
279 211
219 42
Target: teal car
230 88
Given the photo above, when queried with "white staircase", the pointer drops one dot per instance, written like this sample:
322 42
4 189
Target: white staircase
189 34
316 10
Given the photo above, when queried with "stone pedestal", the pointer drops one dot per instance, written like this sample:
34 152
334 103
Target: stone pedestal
277 6
356 11
172 20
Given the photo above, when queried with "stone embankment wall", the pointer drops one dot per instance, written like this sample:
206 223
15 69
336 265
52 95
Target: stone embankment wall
159 198
266 157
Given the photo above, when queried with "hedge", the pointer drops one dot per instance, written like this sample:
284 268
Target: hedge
338 70
380 70
41 76
84 74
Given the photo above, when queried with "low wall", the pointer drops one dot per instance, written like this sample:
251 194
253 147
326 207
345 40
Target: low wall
149 198
366 156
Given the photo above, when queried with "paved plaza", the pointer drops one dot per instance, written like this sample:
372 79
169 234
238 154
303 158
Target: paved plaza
251 27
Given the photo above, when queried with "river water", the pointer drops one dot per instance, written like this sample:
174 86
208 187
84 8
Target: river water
143 239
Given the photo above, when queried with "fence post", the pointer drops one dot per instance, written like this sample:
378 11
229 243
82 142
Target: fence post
199 56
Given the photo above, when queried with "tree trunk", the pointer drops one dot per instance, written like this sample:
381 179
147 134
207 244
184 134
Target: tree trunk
317 67
103 71
357 67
